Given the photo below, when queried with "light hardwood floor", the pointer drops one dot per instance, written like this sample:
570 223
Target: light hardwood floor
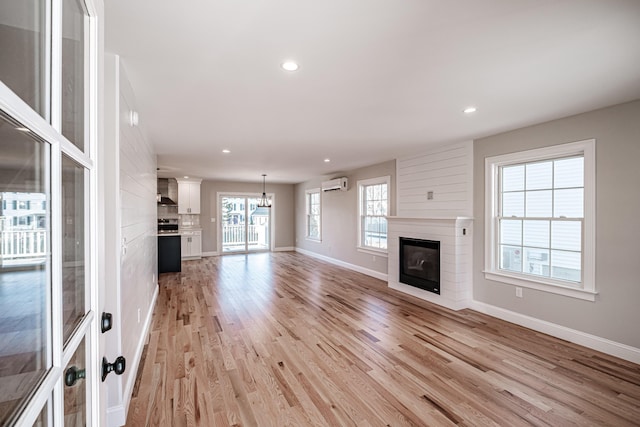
282 339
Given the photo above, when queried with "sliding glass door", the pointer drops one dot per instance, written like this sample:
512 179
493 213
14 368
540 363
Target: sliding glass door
244 227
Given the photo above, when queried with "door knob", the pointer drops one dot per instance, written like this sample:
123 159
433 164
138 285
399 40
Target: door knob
118 366
73 374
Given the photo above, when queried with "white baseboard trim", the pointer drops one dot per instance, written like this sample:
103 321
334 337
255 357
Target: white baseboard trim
604 345
359 269
206 254
117 415
284 249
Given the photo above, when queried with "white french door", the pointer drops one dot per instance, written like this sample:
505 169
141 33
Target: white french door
48 132
244 226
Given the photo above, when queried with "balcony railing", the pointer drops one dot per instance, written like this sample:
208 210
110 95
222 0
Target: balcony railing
233 237
23 247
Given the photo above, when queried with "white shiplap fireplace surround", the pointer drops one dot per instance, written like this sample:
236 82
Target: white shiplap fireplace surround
435 202
454 235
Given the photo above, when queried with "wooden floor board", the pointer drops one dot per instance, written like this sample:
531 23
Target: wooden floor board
281 339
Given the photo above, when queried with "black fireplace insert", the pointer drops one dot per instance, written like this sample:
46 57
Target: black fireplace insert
420 264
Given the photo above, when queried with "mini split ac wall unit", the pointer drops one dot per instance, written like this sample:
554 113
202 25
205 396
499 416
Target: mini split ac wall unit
335 185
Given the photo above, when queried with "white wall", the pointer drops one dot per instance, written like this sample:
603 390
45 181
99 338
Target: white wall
132 243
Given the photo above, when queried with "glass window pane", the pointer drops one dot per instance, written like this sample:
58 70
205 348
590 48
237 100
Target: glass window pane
74 71
511 258
384 192
369 192
538 204
511 232
513 204
22 51
513 178
536 233
568 173
377 192
539 176
370 209
566 265
536 261
566 235
568 203
73 245
25 278
75 396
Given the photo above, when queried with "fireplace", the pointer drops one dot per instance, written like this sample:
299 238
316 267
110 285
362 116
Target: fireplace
420 264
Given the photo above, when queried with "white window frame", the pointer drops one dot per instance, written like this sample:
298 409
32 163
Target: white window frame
362 184
584 290
307 201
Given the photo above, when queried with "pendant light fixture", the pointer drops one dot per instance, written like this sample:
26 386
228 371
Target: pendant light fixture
264 202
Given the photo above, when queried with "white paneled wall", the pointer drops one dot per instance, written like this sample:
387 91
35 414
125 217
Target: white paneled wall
447 171
135 289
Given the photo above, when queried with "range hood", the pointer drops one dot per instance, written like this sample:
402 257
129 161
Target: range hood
164 193
165 201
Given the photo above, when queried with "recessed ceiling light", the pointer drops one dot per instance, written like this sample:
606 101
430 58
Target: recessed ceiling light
186 177
469 110
23 129
225 151
327 160
290 66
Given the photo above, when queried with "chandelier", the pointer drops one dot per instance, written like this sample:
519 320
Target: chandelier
264 201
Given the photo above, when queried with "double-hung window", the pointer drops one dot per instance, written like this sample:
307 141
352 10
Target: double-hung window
373 203
314 211
540 219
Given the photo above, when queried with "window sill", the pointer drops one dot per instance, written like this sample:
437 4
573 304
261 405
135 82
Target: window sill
541 286
373 251
311 239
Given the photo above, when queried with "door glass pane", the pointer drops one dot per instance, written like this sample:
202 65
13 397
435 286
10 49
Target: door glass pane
233 224
74 71
75 396
24 266
22 51
73 247
43 418
258 229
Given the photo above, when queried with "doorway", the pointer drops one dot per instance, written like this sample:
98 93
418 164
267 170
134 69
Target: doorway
244 226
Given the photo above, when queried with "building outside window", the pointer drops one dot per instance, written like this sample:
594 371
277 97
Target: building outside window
373 205
314 210
540 224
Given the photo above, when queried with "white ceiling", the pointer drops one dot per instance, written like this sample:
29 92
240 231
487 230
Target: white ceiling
378 79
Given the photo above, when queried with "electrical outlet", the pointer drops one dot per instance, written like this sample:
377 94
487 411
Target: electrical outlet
139 313
374 258
519 292
429 195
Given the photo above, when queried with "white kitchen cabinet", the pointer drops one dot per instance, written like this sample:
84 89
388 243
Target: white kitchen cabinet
191 244
188 196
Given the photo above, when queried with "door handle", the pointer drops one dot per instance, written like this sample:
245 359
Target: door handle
118 366
73 374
